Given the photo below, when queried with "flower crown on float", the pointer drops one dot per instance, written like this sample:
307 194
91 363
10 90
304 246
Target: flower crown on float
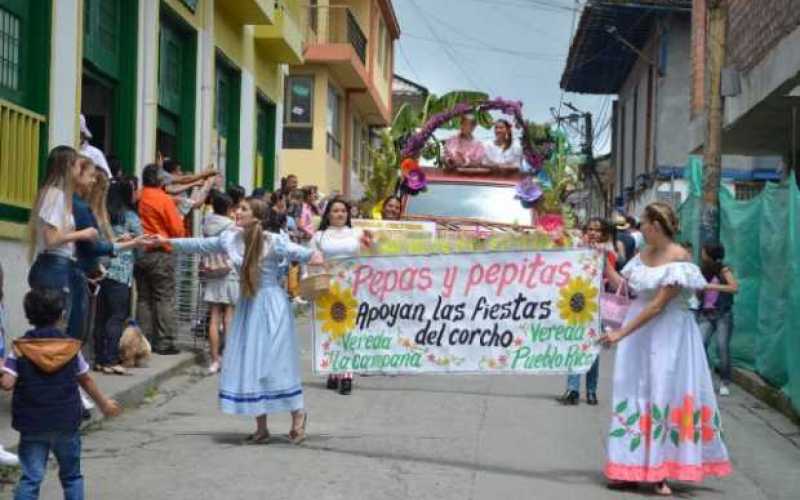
413 178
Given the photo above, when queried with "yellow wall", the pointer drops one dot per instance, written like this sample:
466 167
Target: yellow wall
229 37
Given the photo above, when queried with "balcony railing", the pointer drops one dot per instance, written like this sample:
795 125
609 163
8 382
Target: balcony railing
19 154
342 27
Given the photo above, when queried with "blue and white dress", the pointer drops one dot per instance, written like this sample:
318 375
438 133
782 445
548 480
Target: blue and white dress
260 366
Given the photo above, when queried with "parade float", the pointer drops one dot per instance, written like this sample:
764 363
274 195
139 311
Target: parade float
477 208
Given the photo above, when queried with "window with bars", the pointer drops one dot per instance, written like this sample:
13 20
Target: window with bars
10 51
298 112
170 69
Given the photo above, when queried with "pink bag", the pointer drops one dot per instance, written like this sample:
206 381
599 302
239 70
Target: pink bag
614 307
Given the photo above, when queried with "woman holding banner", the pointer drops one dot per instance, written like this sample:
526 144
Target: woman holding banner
337 238
665 423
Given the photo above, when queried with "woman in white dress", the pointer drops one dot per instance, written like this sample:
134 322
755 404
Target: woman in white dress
503 151
665 423
337 238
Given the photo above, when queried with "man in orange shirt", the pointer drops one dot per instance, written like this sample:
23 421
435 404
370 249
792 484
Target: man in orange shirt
155 268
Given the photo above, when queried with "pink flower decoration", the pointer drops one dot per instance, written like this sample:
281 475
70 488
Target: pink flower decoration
551 222
502 359
432 358
518 341
324 364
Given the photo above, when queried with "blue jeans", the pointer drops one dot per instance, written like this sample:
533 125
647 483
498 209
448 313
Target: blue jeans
55 271
574 381
722 325
34 449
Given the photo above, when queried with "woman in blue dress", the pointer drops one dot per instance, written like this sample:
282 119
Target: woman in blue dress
260 369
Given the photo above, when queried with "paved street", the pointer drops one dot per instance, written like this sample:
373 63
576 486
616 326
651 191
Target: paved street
406 438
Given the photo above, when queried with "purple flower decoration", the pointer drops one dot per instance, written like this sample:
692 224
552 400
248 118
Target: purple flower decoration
528 191
416 181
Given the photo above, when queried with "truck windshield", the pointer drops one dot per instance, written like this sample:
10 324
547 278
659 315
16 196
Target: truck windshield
489 203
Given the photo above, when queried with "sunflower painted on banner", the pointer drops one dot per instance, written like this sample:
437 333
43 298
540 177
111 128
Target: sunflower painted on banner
337 311
577 304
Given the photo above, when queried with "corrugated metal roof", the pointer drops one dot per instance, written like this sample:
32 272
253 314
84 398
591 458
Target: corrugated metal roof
598 61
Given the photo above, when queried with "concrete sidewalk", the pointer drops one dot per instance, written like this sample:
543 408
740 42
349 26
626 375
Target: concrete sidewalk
129 390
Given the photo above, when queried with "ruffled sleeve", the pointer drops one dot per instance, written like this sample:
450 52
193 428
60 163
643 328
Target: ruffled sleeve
285 248
682 274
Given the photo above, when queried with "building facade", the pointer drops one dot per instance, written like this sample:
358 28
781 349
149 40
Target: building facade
196 80
641 52
339 94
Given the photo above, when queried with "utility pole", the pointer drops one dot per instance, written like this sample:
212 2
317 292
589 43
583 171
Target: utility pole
712 151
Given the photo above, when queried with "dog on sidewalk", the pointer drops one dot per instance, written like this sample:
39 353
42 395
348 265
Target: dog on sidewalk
134 348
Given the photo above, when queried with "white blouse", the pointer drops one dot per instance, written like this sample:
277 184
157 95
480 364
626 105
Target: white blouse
496 155
53 212
338 242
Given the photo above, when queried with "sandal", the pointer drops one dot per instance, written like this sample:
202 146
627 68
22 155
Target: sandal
107 370
662 489
297 436
256 438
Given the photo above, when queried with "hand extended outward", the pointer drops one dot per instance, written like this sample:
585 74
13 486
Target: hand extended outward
110 408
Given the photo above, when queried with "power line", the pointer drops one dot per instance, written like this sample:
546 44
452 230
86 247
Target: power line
489 48
408 61
445 48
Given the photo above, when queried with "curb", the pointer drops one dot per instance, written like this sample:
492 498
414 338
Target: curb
762 390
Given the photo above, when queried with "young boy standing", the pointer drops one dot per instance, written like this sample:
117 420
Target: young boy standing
45 368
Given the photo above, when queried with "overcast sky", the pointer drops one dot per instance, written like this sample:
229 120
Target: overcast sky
514 49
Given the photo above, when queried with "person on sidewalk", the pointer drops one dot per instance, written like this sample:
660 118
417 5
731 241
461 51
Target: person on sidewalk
716 308
221 290
337 238
6 457
93 153
666 423
44 370
155 268
113 302
53 236
598 234
261 363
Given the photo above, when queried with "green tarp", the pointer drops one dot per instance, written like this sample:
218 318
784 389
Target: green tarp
761 239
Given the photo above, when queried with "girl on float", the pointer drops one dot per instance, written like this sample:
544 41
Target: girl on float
392 208
503 152
337 238
260 369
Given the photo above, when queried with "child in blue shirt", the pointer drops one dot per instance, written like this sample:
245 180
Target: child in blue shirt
45 368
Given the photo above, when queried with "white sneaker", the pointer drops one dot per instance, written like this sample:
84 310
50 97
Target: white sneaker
8 458
724 391
213 368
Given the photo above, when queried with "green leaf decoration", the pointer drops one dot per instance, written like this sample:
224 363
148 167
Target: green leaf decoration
716 419
621 407
617 433
657 433
696 436
697 417
633 419
674 437
656 413
635 442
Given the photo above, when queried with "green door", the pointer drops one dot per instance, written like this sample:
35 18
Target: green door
265 143
177 51
228 103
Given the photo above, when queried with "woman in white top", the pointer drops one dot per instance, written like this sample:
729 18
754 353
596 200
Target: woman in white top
52 231
336 238
503 151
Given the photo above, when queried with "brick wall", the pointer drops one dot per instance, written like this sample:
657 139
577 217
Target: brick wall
755 27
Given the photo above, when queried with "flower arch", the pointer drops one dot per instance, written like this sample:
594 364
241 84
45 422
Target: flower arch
534 156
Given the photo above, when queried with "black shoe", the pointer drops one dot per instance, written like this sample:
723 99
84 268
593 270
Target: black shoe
570 398
333 383
591 399
345 386
168 351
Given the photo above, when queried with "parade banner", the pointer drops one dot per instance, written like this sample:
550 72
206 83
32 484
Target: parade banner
521 312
